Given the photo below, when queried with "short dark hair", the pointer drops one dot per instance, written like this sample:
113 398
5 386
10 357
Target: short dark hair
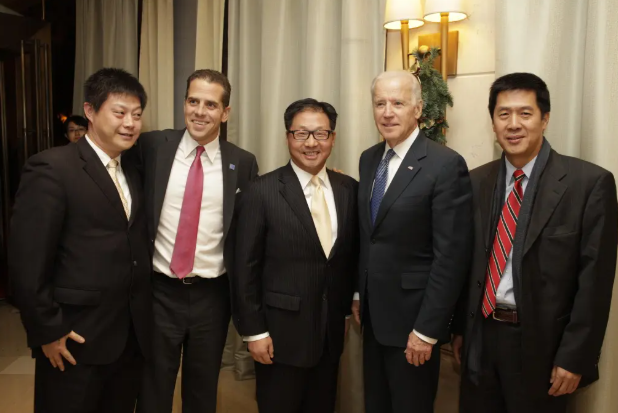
112 81
520 81
212 76
313 105
76 119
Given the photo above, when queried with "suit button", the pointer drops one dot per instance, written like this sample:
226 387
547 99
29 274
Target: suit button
373 240
472 314
135 263
324 297
366 272
152 241
478 284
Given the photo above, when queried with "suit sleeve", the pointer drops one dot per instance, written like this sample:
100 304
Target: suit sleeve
247 284
36 227
451 223
583 336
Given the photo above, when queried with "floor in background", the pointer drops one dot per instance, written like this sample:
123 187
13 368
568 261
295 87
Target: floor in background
17 377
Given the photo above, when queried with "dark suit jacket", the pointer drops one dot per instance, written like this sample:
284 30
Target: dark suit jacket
284 283
568 267
156 151
413 261
75 261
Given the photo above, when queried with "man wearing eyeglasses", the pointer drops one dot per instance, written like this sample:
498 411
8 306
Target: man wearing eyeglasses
295 263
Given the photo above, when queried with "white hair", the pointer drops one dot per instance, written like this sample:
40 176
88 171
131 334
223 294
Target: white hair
402 74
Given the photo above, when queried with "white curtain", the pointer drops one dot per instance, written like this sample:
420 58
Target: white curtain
284 50
209 34
573 46
106 36
156 63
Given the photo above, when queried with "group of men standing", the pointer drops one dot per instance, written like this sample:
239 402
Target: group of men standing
127 259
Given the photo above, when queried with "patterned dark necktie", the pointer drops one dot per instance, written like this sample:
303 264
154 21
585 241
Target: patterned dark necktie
379 185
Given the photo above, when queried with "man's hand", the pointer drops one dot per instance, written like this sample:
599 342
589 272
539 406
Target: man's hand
457 344
418 351
262 350
56 350
563 382
356 310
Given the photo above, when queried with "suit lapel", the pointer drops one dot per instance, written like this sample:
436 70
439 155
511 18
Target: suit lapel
293 194
407 171
95 169
229 164
366 179
486 196
341 193
548 196
166 153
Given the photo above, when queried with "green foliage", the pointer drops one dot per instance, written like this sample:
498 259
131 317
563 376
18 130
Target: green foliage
435 95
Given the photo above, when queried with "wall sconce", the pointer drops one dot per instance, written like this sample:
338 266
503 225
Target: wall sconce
403 15
443 12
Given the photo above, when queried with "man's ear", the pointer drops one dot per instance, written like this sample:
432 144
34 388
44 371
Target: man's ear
89 111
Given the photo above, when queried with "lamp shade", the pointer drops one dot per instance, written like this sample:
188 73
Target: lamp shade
455 8
398 10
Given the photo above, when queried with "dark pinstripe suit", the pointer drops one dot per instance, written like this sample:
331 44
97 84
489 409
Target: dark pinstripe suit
283 282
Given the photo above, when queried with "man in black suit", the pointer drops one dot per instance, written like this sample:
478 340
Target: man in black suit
415 207
295 265
192 181
79 258
535 310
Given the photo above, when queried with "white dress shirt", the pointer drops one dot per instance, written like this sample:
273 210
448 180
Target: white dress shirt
209 246
505 296
308 189
122 180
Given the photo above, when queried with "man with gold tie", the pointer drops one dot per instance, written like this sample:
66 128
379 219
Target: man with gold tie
295 265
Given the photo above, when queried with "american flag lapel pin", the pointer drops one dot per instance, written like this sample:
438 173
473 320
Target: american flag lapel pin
232 166
410 167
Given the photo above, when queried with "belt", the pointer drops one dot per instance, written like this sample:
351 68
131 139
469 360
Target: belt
185 281
506 315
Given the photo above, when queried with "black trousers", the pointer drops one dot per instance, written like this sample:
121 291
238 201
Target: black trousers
392 385
281 388
84 388
500 388
192 320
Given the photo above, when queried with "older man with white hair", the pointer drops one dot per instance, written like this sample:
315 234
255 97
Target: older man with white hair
415 207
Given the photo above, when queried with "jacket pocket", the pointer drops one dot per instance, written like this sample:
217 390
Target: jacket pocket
414 280
73 296
283 301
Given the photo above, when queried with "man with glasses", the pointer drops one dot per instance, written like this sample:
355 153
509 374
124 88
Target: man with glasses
295 265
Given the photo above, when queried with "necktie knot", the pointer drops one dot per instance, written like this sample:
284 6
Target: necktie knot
389 154
112 164
519 175
316 181
199 151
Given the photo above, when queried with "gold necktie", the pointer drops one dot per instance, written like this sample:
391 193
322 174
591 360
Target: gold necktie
112 168
321 217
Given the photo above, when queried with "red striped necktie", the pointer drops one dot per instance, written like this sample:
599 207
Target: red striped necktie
503 243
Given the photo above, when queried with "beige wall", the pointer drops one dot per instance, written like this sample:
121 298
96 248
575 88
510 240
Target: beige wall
470 131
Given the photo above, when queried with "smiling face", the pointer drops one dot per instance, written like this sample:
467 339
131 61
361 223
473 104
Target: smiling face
204 110
395 109
519 125
116 125
310 155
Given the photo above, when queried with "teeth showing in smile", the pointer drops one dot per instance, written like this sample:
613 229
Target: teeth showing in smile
199 123
311 153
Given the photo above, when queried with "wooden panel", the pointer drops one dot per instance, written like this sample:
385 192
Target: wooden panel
433 40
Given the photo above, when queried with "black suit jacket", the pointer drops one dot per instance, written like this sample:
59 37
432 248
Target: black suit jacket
76 263
568 268
156 151
284 282
413 261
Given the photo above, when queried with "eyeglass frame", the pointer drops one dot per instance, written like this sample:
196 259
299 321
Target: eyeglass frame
311 133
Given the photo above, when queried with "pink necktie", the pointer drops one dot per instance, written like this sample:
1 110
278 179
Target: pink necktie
186 235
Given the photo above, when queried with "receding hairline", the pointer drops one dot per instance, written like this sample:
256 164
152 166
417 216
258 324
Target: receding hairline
399 74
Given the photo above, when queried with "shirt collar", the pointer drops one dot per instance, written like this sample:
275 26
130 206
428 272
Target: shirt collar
510 169
305 177
105 158
188 145
401 150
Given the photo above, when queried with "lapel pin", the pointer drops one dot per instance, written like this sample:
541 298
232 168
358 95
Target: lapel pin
232 166
410 167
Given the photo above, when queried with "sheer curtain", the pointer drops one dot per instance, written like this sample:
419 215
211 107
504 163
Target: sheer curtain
156 68
106 36
573 46
209 34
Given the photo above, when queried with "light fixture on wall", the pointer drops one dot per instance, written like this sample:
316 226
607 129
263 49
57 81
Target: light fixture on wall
403 15
443 12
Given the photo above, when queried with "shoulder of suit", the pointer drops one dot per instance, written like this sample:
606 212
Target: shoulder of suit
434 148
372 149
484 169
57 155
343 178
581 167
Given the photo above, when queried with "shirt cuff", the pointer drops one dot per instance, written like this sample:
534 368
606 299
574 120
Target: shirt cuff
356 297
248 339
426 339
